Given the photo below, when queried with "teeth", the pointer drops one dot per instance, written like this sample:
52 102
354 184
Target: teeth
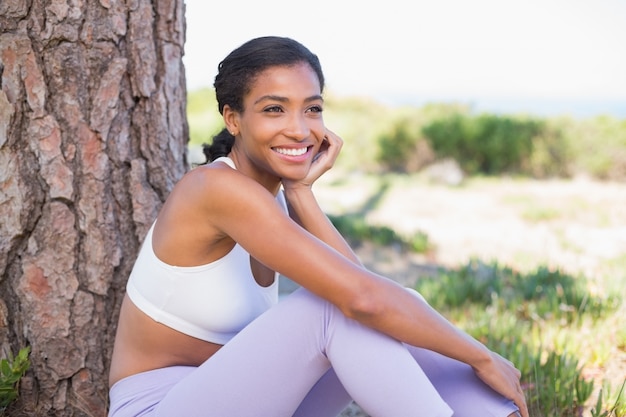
291 152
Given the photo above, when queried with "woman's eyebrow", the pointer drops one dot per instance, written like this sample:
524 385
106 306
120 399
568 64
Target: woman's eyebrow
285 99
271 97
314 98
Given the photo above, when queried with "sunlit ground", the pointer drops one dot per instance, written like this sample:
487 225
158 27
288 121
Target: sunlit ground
577 226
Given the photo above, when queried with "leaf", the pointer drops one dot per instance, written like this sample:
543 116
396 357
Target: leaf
22 356
6 368
12 369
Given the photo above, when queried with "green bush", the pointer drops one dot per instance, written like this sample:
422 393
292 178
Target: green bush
598 145
552 153
397 145
542 294
357 120
407 138
484 144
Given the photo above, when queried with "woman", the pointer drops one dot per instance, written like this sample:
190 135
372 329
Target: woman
201 332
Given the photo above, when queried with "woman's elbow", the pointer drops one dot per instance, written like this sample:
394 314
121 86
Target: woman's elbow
364 306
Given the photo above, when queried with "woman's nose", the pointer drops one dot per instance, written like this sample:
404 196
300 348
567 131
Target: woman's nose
298 128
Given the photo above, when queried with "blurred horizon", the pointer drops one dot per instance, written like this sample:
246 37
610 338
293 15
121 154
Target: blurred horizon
538 106
563 57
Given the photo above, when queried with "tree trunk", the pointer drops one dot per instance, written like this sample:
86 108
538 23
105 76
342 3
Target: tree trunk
93 136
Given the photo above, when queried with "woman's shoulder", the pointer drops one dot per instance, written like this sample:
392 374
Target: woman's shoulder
217 178
214 174
205 172
203 197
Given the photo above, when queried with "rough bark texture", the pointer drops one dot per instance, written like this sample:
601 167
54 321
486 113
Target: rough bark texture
93 136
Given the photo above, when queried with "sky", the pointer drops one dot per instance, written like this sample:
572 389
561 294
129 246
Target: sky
539 52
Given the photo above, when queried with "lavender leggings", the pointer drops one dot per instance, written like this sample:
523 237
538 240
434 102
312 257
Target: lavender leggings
304 358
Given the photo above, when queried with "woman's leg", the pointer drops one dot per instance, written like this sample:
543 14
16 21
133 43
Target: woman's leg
455 381
268 369
327 398
139 394
459 386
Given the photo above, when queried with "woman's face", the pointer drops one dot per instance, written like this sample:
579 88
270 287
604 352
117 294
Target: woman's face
281 127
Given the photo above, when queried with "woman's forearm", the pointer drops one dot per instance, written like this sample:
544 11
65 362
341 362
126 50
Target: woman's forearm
391 308
305 210
404 316
409 318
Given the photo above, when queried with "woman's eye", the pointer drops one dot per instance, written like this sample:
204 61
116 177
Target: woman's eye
315 109
273 109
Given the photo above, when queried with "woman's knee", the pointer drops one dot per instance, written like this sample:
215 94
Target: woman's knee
416 294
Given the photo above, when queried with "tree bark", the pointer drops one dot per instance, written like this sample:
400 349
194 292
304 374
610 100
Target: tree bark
93 136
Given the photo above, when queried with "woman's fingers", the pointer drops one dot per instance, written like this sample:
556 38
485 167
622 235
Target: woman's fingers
503 377
334 142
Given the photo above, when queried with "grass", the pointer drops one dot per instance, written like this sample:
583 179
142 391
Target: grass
356 229
556 327
535 319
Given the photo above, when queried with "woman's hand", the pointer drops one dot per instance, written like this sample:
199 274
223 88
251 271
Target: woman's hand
501 375
322 162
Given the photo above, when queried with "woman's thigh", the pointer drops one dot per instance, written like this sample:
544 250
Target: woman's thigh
266 370
138 395
269 368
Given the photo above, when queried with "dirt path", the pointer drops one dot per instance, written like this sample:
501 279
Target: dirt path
576 225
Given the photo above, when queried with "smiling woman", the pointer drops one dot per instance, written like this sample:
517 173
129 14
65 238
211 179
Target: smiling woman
280 125
201 331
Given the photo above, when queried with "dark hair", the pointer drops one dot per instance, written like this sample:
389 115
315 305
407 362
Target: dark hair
238 71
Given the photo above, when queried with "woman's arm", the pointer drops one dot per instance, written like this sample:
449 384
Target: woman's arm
303 206
304 209
251 216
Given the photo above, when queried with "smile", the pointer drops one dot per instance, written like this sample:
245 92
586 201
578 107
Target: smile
292 152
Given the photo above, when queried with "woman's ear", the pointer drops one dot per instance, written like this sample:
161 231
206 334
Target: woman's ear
231 119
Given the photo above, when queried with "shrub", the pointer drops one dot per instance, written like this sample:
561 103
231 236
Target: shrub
398 145
541 294
599 146
484 144
552 153
407 138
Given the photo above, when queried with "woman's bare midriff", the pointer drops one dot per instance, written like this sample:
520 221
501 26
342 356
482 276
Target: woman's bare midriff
142 344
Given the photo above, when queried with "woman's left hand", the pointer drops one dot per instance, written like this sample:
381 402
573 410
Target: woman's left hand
501 375
322 162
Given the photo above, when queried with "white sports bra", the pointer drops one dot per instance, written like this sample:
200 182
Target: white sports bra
211 302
